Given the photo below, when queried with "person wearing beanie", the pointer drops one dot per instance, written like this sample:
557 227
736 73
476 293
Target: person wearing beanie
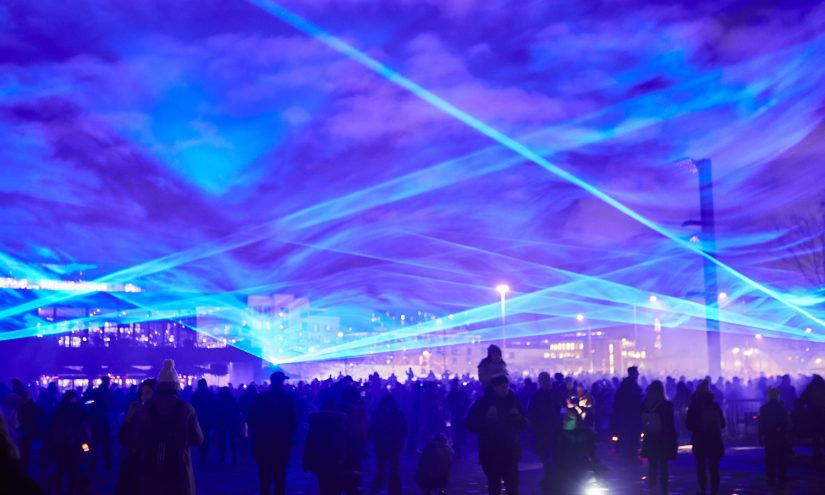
168 375
165 428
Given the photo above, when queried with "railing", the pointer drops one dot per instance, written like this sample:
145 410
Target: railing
741 416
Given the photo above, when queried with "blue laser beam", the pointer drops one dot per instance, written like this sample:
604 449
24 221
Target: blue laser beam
396 78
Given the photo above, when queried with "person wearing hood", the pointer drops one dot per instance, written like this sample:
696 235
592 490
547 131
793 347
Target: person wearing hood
498 418
165 429
492 366
659 444
705 421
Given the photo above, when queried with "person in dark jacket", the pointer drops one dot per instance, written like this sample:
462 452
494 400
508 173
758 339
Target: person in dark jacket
165 429
245 404
204 403
659 444
544 415
103 418
813 400
14 479
326 448
458 401
273 420
357 429
787 393
705 421
774 430
71 435
388 430
128 482
498 417
434 466
227 423
625 420
29 416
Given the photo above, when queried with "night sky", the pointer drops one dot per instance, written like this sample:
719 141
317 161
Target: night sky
209 146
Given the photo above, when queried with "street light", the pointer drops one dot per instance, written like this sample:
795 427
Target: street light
503 289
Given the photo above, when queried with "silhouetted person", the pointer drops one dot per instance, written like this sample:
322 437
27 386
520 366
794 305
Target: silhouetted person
29 417
787 393
129 479
626 422
774 434
498 417
573 456
357 431
227 423
659 444
458 401
165 429
388 430
544 415
706 422
273 420
680 405
71 435
13 479
434 466
813 399
245 404
326 448
204 403
103 417
492 366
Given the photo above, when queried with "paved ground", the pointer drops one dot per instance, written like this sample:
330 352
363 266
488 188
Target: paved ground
741 474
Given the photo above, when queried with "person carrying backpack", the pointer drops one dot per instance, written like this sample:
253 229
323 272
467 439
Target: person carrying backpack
659 444
706 422
165 428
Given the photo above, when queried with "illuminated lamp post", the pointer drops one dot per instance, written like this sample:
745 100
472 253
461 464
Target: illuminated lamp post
503 289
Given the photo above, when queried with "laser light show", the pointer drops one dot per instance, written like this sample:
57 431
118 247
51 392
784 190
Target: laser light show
352 187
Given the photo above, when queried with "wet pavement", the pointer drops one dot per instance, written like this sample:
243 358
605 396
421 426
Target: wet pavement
742 474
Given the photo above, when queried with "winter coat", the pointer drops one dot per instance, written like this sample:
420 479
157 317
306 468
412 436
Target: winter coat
705 422
434 466
388 431
497 421
774 426
165 428
626 421
661 444
325 452
272 420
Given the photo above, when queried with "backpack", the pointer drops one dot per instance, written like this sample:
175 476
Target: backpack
165 447
651 422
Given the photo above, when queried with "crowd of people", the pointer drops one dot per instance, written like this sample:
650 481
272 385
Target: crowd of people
333 426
